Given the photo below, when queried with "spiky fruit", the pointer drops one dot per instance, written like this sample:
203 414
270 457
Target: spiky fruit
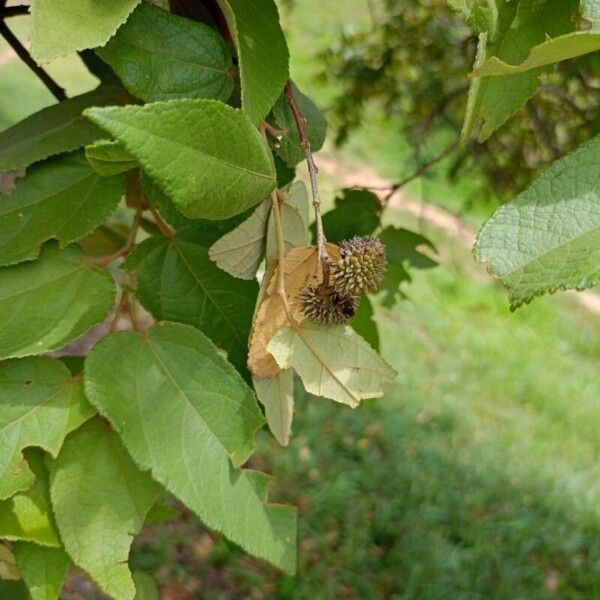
361 266
324 305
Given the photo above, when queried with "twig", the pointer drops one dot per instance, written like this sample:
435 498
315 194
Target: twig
280 252
24 55
324 258
542 132
164 228
128 244
423 168
14 11
273 130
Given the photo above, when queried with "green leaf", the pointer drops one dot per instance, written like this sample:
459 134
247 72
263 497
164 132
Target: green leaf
364 323
27 515
40 403
288 147
277 396
15 590
240 251
47 303
518 27
64 26
43 569
356 212
554 50
262 51
100 500
549 237
62 198
185 413
55 129
109 158
294 221
177 281
334 362
403 249
145 586
207 156
160 56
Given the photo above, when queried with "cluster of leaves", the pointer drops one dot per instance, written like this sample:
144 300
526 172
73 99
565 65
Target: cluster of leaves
415 58
191 140
549 237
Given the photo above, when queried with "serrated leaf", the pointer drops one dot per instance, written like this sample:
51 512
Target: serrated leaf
334 362
64 26
185 413
40 403
8 565
294 221
364 323
277 396
288 146
55 129
240 251
62 198
262 51
43 569
100 500
161 56
356 212
109 158
177 281
27 516
548 238
300 269
47 303
518 27
207 156
554 50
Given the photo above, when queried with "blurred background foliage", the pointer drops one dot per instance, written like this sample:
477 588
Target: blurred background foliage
412 60
478 474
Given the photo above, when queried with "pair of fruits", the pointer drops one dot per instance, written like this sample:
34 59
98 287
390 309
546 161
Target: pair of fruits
359 270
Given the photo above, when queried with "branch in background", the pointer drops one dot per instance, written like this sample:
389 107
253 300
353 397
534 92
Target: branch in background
121 252
13 11
542 132
324 258
420 171
24 55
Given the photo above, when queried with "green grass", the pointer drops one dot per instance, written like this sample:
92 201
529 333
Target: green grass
477 476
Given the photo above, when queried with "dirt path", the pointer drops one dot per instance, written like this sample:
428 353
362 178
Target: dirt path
365 176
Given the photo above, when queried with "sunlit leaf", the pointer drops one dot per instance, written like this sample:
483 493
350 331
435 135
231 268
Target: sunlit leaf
160 56
334 362
207 156
187 415
40 403
100 500
47 303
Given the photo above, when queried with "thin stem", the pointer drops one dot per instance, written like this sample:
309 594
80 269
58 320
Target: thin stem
24 55
128 244
280 252
14 11
164 228
423 168
312 172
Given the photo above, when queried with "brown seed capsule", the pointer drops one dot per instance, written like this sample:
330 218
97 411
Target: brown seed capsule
362 266
324 305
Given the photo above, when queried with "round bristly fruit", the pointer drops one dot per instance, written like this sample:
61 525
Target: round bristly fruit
324 305
361 267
